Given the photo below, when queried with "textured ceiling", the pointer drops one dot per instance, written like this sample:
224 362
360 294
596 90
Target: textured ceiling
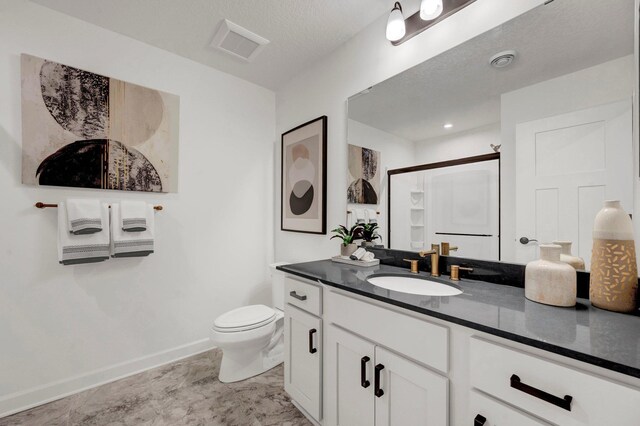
300 31
460 87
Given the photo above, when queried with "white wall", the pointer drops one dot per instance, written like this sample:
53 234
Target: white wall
458 145
63 328
395 152
601 84
363 61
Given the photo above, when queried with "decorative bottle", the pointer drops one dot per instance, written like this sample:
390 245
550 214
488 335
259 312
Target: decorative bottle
614 272
567 257
549 280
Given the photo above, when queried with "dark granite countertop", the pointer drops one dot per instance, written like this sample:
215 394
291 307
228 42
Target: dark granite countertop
585 333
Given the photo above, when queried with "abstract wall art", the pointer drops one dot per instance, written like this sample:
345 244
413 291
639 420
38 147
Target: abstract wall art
364 178
304 178
82 129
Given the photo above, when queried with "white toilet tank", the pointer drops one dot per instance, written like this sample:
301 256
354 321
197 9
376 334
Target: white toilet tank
277 285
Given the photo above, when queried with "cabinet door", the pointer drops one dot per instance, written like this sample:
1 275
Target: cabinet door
303 359
486 411
349 382
408 394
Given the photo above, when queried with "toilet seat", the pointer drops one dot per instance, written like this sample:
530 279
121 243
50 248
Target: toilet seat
244 318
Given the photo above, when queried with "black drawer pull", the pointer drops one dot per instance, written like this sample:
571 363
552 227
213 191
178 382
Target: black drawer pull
480 420
376 381
363 372
312 350
564 403
297 296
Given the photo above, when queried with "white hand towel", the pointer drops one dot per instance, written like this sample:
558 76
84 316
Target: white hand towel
134 216
83 248
84 216
359 213
131 244
372 216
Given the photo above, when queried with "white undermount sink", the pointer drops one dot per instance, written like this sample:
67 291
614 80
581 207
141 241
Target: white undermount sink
413 285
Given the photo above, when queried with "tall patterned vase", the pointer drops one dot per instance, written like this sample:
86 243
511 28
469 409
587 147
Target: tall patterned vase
614 273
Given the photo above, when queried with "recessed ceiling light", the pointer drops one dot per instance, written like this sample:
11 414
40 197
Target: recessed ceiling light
448 126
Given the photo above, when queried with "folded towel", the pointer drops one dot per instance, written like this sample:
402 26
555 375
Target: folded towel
82 248
372 216
368 257
360 218
131 244
134 216
84 216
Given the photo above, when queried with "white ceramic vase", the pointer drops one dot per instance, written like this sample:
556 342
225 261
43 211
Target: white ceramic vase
549 280
614 272
567 257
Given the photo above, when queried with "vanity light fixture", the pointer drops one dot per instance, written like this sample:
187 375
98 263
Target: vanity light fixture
431 12
448 126
395 24
430 9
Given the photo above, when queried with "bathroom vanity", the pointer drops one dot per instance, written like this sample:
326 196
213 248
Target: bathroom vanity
358 354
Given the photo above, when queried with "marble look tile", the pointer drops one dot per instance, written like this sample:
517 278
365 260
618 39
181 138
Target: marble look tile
186 392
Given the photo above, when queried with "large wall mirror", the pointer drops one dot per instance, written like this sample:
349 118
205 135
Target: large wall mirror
481 153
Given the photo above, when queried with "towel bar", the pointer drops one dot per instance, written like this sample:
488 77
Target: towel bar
42 205
351 211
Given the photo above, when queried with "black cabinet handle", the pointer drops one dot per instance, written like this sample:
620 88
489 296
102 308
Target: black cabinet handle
480 420
297 296
564 403
312 350
376 381
363 372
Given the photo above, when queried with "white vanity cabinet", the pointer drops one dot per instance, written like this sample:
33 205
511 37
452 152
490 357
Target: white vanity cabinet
366 383
303 345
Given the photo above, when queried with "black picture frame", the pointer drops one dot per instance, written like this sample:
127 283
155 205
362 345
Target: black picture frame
302 225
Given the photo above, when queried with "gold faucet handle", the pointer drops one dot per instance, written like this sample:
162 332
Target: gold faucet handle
455 272
447 247
414 265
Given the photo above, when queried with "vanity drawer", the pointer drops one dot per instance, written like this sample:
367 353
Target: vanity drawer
539 386
420 340
486 411
304 295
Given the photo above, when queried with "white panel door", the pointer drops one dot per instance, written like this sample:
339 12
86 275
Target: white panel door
349 383
303 359
407 393
566 166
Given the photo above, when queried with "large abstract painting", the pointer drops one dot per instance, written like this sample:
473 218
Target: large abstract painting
82 129
364 178
304 178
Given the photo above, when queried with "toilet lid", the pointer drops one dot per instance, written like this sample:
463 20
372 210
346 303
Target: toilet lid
247 316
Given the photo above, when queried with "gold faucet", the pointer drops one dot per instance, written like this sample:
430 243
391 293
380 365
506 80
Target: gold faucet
446 248
414 265
435 258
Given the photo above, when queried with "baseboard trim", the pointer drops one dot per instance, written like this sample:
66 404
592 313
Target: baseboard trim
24 400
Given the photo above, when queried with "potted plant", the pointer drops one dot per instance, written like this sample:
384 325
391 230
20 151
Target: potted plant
347 236
370 234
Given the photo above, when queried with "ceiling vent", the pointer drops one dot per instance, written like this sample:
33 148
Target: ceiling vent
237 41
502 59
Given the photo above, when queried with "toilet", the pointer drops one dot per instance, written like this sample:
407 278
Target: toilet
252 337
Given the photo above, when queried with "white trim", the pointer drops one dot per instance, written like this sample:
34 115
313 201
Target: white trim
24 400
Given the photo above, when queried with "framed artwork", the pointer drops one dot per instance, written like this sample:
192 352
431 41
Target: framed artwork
304 178
82 129
364 175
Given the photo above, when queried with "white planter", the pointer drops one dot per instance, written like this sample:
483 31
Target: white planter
549 280
614 272
347 250
567 257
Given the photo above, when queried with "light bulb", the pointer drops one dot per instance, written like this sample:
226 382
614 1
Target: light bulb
395 25
430 9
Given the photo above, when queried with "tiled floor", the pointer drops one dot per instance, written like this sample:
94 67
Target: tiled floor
186 392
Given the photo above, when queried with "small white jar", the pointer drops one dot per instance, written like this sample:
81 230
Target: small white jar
549 280
567 257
